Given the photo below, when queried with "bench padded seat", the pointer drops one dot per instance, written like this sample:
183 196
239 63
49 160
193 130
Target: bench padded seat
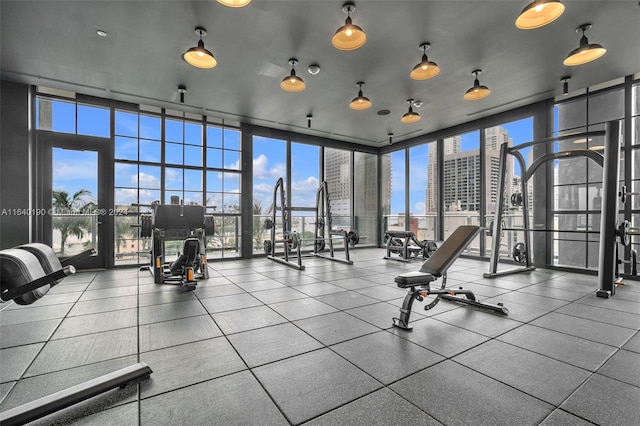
414 278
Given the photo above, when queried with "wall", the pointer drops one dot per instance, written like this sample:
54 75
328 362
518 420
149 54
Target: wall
14 164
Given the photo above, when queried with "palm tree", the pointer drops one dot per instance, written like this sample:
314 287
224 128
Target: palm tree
69 222
257 223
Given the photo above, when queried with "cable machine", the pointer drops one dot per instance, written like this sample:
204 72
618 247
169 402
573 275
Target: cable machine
609 231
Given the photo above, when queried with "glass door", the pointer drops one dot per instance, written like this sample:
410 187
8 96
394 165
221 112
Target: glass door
75 179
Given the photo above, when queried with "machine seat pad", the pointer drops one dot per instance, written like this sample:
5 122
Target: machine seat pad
190 256
48 259
415 278
17 268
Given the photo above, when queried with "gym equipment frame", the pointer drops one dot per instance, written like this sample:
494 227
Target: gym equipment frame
290 240
405 244
609 231
419 282
26 274
173 222
324 229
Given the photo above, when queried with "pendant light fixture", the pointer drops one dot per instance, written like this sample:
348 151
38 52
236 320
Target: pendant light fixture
565 84
586 52
361 102
539 13
292 83
425 69
235 3
348 36
410 117
198 56
477 91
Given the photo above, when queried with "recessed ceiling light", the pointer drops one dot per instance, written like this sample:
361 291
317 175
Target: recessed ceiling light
102 33
384 112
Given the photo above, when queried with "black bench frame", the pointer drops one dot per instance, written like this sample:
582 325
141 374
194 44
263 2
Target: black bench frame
419 282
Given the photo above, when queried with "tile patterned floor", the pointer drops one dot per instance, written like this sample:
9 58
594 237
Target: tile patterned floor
259 343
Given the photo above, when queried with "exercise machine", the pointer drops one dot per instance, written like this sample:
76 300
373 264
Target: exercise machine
176 222
292 255
419 282
610 230
324 231
407 246
27 273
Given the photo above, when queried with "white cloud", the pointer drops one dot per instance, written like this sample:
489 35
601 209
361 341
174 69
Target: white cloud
172 175
420 208
262 171
126 196
146 181
309 184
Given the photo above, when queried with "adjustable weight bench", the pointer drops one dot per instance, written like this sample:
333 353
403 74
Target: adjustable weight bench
26 274
419 282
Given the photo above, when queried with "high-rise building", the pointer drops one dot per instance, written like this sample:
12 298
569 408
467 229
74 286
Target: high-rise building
461 186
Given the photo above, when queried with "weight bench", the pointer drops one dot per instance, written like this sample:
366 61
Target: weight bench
406 245
26 274
419 282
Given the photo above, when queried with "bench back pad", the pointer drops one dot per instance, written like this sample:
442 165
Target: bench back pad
450 250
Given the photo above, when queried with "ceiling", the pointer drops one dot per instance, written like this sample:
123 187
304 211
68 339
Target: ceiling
54 44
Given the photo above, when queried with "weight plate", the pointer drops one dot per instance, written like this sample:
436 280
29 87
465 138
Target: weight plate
520 253
267 247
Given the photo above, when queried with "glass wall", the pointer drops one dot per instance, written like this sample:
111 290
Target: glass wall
578 181
512 134
365 202
137 181
269 165
160 158
223 191
423 196
305 180
337 174
462 183
393 178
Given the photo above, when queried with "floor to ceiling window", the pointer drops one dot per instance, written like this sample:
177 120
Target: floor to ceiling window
137 180
462 183
423 172
578 185
366 200
223 192
393 173
269 165
305 180
512 134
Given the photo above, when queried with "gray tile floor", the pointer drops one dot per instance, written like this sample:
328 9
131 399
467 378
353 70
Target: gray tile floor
259 343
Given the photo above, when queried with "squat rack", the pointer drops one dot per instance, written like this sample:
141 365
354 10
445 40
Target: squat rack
290 240
610 161
323 222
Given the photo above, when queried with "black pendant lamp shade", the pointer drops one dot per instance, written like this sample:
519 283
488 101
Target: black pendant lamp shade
360 102
349 36
539 13
292 83
426 69
410 116
477 91
586 52
198 56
